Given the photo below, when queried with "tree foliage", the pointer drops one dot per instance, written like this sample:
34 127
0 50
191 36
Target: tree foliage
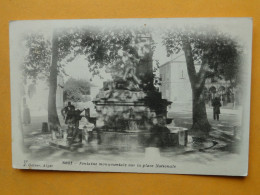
218 51
113 49
102 48
37 61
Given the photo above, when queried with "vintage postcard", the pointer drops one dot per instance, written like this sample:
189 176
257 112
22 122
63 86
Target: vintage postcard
132 95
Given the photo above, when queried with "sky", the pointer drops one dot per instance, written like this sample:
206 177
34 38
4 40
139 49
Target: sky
78 69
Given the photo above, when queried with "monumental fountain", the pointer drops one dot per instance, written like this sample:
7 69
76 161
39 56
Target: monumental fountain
130 111
127 109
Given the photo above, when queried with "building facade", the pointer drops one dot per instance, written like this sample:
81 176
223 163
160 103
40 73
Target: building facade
175 85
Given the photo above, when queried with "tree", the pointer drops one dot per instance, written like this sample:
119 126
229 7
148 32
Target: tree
53 118
218 55
45 61
117 49
113 49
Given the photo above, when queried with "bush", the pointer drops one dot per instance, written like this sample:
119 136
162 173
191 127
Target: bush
76 90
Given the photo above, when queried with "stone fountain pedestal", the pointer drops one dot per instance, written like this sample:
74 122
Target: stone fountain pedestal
125 117
123 110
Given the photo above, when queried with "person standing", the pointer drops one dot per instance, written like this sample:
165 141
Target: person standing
216 104
65 111
159 133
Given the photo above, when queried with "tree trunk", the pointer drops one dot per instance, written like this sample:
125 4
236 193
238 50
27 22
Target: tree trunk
53 118
199 114
197 81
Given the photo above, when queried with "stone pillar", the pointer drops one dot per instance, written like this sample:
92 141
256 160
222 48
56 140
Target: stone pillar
183 137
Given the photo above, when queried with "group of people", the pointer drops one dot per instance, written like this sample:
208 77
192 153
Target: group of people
79 127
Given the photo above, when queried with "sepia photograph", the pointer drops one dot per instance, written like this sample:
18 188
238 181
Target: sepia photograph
169 95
